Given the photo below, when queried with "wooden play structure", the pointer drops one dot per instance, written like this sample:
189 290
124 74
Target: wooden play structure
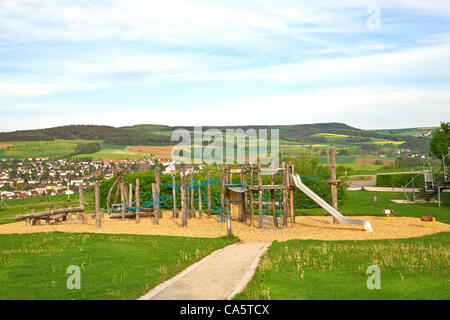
239 195
63 214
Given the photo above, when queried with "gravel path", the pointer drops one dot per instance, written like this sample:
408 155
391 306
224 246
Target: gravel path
219 276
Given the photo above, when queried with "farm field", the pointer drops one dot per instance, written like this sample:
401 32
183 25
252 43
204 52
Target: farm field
109 151
416 268
113 267
37 149
5 146
157 151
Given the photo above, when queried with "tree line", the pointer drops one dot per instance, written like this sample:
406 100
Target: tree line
111 135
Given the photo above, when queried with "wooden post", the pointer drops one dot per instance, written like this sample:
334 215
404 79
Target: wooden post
284 192
244 186
192 212
209 194
227 194
334 198
272 201
138 200
174 196
81 195
157 208
28 222
97 197
260 197
69 216
123 196
56 208
222 193
98 221
130 194
97 213
183 200
47 219
186 184
291 196
200 204
38 220
251 197
155 200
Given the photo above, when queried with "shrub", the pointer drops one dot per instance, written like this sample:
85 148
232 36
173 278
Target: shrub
399 180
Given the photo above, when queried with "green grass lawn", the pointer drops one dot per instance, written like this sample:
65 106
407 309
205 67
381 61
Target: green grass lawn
34 266
417 268
360 203
24 206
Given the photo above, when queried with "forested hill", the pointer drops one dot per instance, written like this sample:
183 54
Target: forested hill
112 135
151 134
311 133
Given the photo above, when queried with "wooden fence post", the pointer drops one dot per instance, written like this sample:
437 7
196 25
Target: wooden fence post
138 200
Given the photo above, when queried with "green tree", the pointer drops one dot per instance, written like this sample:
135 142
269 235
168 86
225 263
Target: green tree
440 142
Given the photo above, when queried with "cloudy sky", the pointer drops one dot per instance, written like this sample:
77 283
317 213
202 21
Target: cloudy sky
370 64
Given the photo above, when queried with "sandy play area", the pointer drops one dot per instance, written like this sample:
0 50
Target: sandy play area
307 227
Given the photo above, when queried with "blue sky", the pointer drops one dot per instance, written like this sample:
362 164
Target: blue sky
224 62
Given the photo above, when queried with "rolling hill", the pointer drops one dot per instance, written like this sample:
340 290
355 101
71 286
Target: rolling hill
118 142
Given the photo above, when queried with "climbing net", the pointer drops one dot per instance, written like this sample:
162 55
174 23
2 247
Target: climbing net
197 198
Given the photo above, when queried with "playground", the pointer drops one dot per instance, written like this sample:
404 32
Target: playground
248 201
242 224
306 227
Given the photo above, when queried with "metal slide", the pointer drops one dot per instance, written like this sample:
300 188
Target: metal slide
327 207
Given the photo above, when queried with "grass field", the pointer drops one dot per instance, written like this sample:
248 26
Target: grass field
33 266
417 268
126 266
361 203
38 149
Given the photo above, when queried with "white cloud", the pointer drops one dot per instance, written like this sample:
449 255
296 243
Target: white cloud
369 107
81 45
